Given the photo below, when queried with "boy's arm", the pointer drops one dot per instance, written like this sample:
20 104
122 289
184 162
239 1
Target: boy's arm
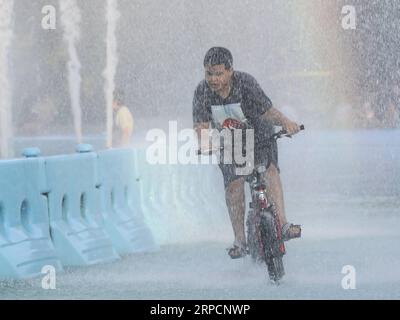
204 142
279 119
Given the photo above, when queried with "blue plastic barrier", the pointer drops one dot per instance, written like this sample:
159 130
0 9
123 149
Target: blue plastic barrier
181 202
25 244
157 197
74 199
121 209
86 208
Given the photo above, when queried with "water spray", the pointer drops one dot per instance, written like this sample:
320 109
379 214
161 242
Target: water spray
6 134
70 20
112 16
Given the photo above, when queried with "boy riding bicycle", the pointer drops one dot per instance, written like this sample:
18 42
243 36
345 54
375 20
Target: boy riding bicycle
237 94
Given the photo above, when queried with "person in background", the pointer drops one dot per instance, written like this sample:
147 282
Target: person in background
123 121
392 116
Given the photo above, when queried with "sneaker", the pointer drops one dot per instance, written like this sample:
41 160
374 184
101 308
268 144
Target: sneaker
237 252
291 231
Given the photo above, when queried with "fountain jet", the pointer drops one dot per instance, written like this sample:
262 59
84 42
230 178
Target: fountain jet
6 133
70 20
112 16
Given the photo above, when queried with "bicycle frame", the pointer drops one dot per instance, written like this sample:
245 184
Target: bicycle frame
261 202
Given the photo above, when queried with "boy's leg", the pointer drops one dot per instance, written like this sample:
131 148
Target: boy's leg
235 200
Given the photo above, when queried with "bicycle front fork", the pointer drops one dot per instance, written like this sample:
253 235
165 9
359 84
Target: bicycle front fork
263 204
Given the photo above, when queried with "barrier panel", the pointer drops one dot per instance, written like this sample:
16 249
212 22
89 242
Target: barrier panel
181 202
157 196
25 243
75 218
120 206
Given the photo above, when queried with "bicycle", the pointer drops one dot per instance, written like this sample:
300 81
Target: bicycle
264 232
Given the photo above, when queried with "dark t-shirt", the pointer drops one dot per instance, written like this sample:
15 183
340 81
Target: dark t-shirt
246 96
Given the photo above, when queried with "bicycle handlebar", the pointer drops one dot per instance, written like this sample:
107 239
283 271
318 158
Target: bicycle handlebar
277 135
208 152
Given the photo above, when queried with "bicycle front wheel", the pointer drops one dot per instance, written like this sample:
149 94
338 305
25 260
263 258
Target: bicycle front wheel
272 246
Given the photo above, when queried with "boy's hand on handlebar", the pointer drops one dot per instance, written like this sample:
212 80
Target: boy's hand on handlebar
205 147
204 151
291 127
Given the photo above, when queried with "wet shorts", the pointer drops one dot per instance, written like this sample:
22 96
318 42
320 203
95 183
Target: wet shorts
265 154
